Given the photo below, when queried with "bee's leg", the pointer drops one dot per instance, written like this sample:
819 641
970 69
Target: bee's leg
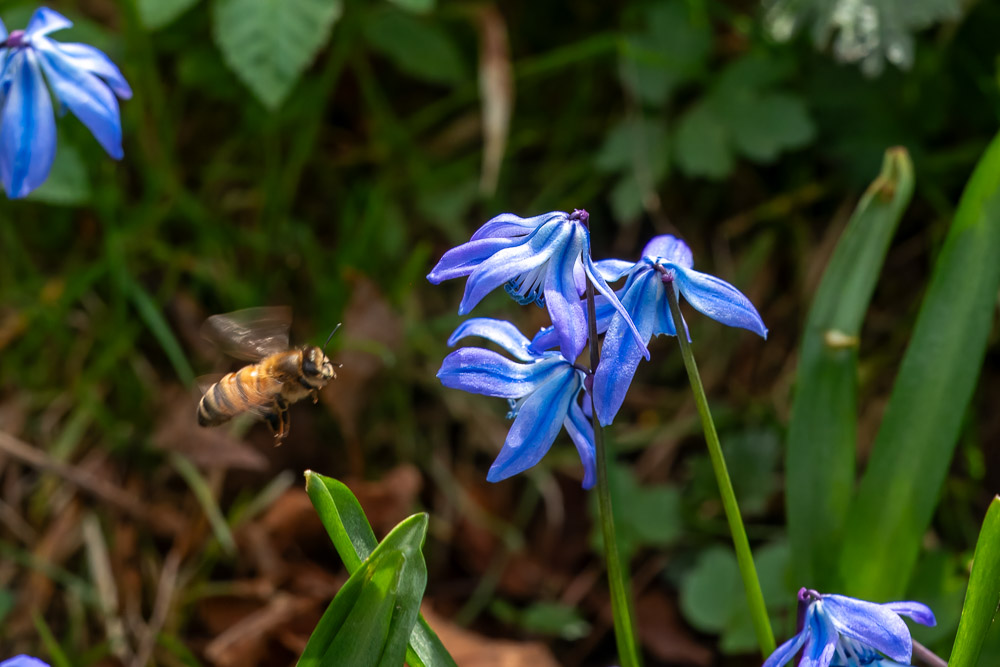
273 422
315 395
281 412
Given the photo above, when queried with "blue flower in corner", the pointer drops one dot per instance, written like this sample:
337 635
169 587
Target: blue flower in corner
83 80
665 264
838 631
23 661
543 390
544 260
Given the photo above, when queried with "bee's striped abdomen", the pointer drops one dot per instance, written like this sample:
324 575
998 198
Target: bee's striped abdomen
230 396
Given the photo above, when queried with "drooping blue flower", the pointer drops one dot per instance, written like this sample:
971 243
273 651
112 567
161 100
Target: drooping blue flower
82 79
544 260
665 264
542 388
839 631
23 661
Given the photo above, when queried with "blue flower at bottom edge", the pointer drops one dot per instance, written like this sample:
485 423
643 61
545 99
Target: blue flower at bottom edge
542 389
83 80
665 264
23 661
544 260
839 631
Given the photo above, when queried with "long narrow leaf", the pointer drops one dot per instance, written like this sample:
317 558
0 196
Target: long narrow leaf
983 595
822 435
372 616
354 540
914 446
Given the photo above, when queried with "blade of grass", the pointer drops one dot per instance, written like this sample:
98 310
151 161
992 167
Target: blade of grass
209 506
914 445
983 595
822 433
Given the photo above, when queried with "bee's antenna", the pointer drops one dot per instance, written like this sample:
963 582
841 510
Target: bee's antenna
331 336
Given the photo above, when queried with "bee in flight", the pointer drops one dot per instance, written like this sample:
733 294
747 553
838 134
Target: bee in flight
279 377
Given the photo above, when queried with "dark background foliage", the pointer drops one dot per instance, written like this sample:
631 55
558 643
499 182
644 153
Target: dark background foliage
127 532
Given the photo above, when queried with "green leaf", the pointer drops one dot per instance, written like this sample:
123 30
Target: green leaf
712 599
764 125
544 618
68 183
910 457
983 595
644 515
415 6
369 621
269 43
352 536
156 14
671 49
703 143
822 434
416 46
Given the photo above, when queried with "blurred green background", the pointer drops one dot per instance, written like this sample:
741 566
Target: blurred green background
323 155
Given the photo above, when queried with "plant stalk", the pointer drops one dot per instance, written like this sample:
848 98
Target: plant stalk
751 583
618 581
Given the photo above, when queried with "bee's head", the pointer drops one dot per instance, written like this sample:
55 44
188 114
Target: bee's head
316 366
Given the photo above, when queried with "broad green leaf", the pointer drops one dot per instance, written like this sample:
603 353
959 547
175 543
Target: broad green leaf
914 445
352 536
983 595
269 43
822 435
68 183
703 143
765 124
752 457
544 618
415 6
417 46
157 14
671 49
645 515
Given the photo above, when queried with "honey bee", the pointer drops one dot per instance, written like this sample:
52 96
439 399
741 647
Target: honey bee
279 377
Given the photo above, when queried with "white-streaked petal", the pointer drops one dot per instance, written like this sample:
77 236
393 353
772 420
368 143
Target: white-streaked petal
614 269
602 286
501 332
45 21
86 57
718 299
668 248
27 128
489 373
561 297
582 432
463 260
918 611
508 225
871 624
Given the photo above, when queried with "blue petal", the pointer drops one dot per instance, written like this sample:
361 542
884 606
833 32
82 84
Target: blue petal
668 249
919 612
538 422
27 128
45 21
613 269
463 260
501 332
821 642
86 57
620 355
509 225
871 624
486 372
511 262
786 651
582 432
85 95
563 300
23 661
3 35
602 286
718 299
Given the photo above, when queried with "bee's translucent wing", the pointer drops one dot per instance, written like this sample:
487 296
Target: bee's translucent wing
250 334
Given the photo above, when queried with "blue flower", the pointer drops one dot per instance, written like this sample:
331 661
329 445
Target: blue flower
838 631
23 661
544 260
542 388
666 263
83 80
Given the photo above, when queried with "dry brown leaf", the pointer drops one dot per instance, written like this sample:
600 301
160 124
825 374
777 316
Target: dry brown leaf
389 499
664 635
474 650
245 643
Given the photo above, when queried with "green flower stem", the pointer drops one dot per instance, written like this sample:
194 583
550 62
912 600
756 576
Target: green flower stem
618 580
751 584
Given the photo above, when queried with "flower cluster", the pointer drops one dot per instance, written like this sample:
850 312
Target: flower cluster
839 631
23 661
546 260
82 79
